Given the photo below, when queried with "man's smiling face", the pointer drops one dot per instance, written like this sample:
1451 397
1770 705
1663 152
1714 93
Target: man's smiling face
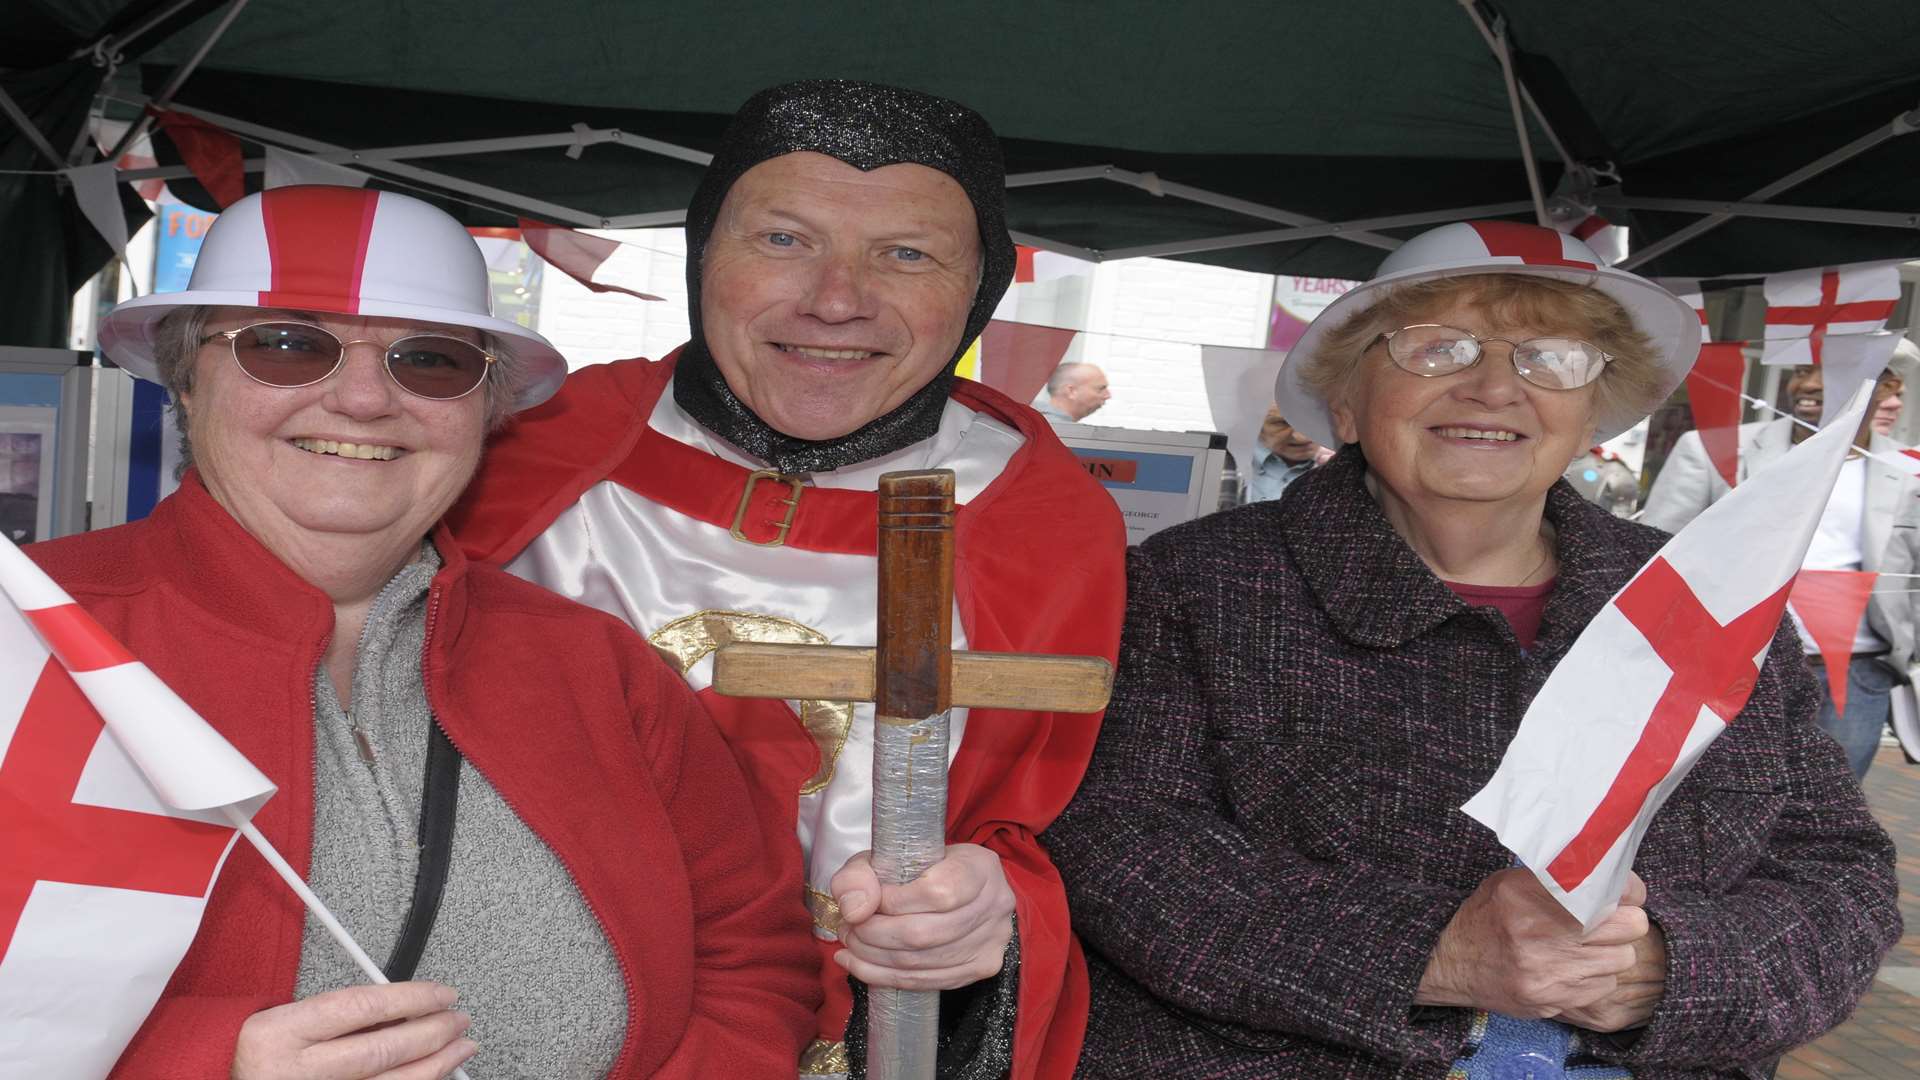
828 295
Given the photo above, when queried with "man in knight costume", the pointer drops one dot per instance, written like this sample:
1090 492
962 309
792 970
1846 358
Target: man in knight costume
846 245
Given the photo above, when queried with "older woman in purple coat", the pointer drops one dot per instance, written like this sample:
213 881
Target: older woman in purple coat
1267 862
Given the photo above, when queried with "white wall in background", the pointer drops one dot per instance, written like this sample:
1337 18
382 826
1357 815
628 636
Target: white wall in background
593 328
1159 311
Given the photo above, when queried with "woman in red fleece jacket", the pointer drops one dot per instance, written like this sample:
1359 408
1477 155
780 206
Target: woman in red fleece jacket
507 794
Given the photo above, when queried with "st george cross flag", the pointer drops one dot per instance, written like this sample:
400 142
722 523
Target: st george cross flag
591 260
1805 307
1656 676
114 821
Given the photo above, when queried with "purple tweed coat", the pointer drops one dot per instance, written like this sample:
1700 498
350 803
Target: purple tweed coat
1269 841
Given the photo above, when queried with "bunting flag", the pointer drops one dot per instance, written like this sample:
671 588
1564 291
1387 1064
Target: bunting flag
1690 293
1655 677
1805 307
286 168
139 155
210 151
1713 392
120 805
1016 358
96 188
581 256
1033 265
1239 391
1828 605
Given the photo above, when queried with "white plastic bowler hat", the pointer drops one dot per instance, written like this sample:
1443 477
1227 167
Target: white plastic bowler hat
338 251
1498 247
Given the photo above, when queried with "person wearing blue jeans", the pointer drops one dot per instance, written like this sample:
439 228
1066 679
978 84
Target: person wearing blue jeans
1857 728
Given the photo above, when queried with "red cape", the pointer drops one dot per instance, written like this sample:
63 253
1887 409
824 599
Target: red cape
1039 568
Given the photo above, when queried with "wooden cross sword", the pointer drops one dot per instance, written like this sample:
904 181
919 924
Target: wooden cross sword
913 677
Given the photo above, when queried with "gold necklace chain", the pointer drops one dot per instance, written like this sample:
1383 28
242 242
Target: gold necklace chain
1537 567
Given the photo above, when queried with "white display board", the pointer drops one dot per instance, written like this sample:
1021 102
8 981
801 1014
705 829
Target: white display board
45 396
1158 478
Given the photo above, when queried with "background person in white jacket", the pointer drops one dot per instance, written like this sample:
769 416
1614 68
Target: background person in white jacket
1872 522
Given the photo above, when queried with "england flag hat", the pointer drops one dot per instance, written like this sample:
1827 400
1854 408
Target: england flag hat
1498 247
338 251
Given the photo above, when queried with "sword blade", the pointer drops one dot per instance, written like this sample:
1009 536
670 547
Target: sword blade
909 835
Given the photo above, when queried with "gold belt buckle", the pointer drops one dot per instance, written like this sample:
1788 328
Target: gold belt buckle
746 497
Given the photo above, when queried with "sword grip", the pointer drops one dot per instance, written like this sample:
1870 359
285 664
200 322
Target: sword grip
913 665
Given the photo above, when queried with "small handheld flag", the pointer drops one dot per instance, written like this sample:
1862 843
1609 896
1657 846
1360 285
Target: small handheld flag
1656 676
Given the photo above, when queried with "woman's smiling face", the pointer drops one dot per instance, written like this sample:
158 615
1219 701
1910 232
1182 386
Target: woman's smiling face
353 454
1483 434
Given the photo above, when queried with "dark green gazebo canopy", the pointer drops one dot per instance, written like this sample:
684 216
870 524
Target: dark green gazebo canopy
1217 120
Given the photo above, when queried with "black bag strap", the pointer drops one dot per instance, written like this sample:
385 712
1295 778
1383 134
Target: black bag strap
439 795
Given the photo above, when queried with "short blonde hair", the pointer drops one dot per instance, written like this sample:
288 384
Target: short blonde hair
1633 382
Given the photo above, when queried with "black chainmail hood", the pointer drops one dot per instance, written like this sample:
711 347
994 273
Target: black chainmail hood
867 126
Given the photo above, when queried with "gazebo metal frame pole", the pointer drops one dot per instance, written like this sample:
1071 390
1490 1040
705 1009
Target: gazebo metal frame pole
19 116
1519 120
1904 124
110 50
501 198
1497 43
1153 184
390 161
178 79
1892 219
1315 232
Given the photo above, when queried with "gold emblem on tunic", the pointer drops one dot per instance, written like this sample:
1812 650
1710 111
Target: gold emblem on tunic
825 1058
825 911
687 640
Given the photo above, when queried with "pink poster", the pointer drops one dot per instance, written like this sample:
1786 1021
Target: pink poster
1296 300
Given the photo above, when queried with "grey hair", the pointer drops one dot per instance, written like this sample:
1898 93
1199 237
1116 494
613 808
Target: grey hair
177 338
1063 374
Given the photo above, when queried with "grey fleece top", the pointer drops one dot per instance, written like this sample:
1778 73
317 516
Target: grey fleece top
513 936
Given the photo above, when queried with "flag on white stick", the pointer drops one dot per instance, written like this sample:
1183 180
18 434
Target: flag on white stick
1655 677
1805 307
117 809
